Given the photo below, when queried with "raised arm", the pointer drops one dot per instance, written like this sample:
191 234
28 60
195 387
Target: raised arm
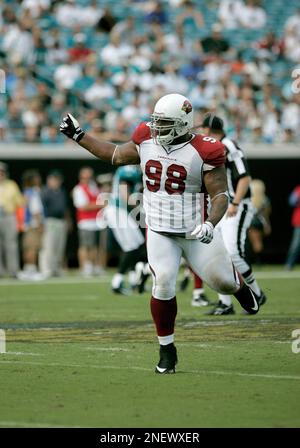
125 154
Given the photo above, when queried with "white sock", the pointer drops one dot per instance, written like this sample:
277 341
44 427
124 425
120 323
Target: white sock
226 300
132 278
196 292
117 280
30 268
165 340
88 267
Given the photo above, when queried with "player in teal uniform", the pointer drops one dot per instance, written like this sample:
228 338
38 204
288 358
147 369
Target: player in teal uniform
127 183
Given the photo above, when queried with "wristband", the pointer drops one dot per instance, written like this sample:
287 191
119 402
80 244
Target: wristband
235 204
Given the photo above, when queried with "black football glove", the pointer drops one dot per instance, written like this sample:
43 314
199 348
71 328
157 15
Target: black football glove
70 127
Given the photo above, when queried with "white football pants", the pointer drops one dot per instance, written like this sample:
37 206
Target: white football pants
234 233
210 261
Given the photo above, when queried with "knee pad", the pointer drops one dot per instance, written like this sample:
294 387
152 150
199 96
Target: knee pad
164 286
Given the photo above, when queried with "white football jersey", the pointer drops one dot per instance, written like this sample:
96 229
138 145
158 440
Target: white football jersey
172 179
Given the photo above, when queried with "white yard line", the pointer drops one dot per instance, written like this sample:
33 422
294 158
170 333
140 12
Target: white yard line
24 353
196 372
255 375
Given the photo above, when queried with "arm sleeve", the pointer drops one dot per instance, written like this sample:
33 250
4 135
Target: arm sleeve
141 133
215 156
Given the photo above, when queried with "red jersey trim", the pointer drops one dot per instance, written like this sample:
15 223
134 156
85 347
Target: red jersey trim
211 153
141 133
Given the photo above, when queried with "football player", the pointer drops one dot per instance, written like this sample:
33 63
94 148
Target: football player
176 164
127 181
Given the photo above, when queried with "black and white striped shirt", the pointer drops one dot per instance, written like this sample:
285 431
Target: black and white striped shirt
236 166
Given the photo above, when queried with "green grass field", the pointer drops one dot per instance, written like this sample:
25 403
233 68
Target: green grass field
78 356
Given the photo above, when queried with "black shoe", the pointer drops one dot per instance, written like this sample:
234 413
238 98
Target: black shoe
121 290
249 301
200 300
262 299
221 309
168 359
142 282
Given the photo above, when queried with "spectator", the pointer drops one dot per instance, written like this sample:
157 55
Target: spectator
215 43
258 70
189 16
50 134
56 214
85 196
116 52
99 90
15 123
65 75
157 14
91 14
252 16
56 54
33 225
229 11
80 52
57 108
36 7
294 249
68 13
291 44
106 22
269 46
10 200
290 118
293 23
18 44
156 58
125 29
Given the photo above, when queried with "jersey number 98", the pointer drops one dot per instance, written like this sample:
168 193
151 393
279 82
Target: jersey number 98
175 181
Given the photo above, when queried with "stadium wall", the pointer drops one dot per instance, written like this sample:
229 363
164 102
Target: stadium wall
277 166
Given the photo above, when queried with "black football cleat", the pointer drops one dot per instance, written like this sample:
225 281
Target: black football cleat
262 299
221 310
142 283
121 290
168 359
249 301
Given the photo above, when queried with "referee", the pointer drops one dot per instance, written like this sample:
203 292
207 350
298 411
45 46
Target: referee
235 223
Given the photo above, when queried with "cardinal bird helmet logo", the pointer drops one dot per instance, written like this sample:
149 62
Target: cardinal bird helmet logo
187 107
